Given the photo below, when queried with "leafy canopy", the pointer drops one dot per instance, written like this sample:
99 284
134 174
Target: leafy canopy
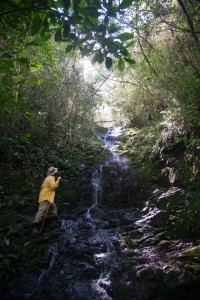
92 26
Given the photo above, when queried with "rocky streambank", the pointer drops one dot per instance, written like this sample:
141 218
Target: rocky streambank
116 253
121 240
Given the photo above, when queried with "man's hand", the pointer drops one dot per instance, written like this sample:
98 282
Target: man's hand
59 178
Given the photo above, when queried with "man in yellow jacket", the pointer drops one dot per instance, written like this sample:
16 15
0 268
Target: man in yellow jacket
46 201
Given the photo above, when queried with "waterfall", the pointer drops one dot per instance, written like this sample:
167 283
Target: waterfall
97 188
97 184
108 139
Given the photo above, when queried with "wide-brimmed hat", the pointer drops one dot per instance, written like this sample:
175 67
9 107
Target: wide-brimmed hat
52 171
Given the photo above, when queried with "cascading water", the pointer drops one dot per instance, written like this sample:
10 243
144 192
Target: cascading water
109 139
97 188
107 257
80 260
107 251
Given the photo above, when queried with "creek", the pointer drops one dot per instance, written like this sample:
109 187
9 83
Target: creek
86 259
83 260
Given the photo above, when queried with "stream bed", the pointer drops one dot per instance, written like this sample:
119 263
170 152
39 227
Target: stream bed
105 250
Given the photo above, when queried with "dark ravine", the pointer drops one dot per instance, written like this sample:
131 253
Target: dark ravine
110 246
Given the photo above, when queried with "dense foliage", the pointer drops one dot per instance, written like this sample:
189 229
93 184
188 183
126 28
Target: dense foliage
48 108
160 95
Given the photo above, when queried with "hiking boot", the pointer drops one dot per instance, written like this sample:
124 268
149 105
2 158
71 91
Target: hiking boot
54 225
36 229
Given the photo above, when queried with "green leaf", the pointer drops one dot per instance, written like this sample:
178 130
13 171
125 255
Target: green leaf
112 11
197 74
58 35
25 137
108 62
33 43
117 55
36 26
23 60
64 3
113 46
125 4
92 11
129 44
113 28
121 65
30 113
69 48
124 51
66 30
125 36
99 57
35 66
45 36
130 60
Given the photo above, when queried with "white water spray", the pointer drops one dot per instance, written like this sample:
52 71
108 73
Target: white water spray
97 188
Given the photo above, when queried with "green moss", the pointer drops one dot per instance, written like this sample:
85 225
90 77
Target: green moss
132 243
151 241
134 234
194 272
123 244
193 268
163 245
127 263
194 253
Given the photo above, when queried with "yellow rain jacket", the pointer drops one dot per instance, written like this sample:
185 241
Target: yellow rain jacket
48 188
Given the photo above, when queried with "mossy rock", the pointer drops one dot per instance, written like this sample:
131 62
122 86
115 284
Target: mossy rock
194 253
170 199
152 241
133 243
193 269
163 245
127 263
194 273
123 244
135 234
160 219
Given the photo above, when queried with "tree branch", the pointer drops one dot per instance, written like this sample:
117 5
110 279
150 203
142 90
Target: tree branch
176 26
189 20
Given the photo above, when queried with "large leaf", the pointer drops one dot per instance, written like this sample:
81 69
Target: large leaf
113 28
121 64
64 3
92 11
36 25
108 62
130 60
66 30
129 44
125 4
97 3
69 48
58 35
125 36
45 35
124 51
99 57
113 46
